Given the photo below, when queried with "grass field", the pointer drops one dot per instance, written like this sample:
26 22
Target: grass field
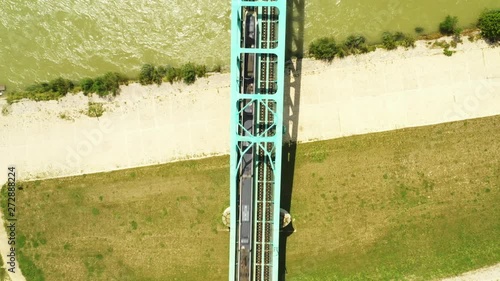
3 270
414 204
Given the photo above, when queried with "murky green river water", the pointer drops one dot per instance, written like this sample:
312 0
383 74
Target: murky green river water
41 39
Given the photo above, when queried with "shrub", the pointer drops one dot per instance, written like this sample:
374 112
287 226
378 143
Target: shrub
355 41
171 75
389 41
188 73
146 74
86 85
99 86
112 82
489 23
201 71
95 109
354 44
61 86
162 71
442 44
392 41
342 52
419 29
408 42
399 36
323 49
217 68
157 77
449 25
448 53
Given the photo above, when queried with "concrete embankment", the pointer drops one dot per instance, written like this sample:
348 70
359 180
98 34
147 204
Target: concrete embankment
379 91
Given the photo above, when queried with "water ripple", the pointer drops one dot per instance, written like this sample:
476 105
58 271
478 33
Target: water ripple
42 39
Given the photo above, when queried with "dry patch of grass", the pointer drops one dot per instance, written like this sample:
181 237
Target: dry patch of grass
410 204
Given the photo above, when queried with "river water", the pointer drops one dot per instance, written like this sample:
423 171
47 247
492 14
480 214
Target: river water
44 39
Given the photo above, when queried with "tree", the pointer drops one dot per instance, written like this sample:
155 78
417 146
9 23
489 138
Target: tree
323 49
449 25
489 23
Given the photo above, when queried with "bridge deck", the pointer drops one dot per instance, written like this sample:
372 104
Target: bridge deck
257 73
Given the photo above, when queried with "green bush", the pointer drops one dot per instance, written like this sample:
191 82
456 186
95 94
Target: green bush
323 49
449 25
419 29
107 84
201 71
86 85
448 53
146 74
354 44
157 77
162 71
389 41
399 36
99 86
408 42
60 86
355 41
188 73
104 85
172 74
489 23
112 82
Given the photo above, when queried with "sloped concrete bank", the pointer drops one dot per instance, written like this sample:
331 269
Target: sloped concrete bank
146 125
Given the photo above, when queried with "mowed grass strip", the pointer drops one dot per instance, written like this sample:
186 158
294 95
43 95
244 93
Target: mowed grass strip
413 204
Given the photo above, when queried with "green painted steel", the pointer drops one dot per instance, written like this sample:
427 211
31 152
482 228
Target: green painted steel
266 140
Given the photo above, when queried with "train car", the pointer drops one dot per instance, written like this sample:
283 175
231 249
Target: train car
246 177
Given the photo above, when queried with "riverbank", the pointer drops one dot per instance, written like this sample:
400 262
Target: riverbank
412 204
145 125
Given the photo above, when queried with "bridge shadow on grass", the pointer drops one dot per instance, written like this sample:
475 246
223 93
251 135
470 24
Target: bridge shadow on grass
294 53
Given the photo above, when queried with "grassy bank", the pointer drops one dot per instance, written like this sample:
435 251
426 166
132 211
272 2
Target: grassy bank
109 83
412 204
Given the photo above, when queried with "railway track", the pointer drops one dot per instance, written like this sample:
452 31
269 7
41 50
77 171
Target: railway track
265 173
256 175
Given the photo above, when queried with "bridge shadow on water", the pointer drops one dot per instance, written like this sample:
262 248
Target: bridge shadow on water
294 54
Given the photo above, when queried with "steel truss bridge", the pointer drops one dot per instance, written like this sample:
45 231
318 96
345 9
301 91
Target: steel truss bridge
257 92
